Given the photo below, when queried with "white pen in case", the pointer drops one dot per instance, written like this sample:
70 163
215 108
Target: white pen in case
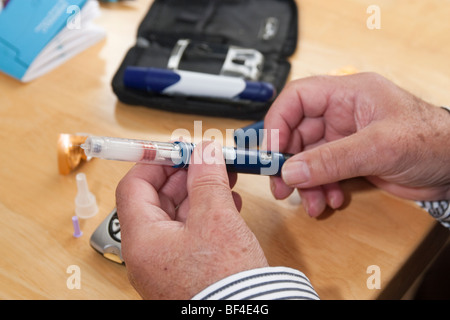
196 84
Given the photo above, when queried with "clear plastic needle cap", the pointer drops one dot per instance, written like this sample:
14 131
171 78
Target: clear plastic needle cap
85 201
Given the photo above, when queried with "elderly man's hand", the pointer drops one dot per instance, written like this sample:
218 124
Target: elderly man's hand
181 230
358 125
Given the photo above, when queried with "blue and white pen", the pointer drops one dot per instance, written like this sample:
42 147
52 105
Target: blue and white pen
178 154
196 84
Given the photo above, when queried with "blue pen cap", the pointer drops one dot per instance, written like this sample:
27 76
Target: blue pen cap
249 136
258 91
257 162
149 79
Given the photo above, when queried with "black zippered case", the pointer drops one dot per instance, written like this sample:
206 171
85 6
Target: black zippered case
250 39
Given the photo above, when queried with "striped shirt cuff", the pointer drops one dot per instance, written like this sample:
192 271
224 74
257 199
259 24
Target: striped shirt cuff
270 283
440 210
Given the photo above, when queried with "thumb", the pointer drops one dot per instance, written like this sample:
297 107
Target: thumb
208 187
353 156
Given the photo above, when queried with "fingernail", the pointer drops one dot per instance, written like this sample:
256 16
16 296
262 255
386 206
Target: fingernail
314 208
305 205
272 186
333 202
295 173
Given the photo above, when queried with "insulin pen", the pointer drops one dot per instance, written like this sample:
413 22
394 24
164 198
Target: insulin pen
196 84
178 154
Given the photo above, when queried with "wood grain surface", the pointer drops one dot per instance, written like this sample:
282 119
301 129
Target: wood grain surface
412 48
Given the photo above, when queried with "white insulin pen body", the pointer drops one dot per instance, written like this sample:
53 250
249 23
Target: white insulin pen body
196 84
178 154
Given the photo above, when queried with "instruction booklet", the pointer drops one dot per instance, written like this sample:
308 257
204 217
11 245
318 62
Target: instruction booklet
36 36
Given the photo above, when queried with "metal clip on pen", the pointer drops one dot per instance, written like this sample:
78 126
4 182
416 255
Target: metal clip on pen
245 63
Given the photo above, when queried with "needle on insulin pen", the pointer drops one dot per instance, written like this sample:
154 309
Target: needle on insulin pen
177 154
152 152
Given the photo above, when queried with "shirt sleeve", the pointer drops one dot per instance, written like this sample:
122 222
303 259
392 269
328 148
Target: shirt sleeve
270 283
440 210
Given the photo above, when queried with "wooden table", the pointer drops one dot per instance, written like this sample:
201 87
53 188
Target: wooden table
373 228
